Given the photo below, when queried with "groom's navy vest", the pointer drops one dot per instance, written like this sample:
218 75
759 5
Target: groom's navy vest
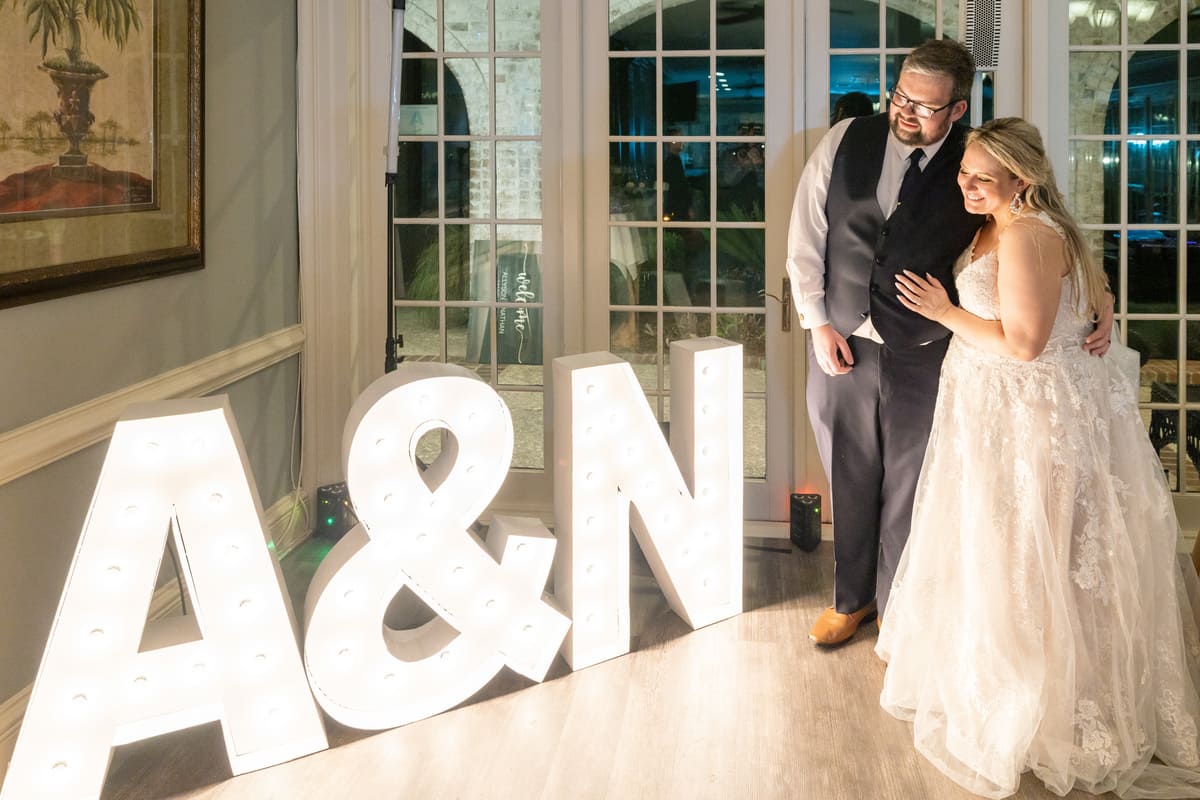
864 251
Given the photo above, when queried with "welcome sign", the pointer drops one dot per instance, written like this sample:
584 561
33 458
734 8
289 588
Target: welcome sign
179 469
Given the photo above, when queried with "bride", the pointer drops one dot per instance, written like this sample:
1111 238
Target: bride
1039 619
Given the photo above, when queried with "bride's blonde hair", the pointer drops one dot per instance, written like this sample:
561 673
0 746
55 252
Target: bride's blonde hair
1017 145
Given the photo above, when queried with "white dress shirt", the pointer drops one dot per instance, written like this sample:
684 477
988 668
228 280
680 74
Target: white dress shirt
809 226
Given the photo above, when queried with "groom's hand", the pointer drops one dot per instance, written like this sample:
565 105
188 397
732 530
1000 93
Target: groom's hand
1098 342
831 350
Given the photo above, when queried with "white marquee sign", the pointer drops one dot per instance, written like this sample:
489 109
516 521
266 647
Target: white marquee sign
178 469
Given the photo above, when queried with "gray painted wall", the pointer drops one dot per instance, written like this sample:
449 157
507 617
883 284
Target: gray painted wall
63 352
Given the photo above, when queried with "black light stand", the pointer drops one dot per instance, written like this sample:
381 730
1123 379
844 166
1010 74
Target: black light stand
390 358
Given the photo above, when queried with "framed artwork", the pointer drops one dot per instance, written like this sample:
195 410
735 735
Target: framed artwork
100 144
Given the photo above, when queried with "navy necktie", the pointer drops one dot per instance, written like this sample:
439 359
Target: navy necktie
912 178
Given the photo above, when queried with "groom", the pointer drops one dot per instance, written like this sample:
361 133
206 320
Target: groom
878 195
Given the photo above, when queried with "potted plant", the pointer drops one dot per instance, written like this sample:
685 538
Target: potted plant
60 23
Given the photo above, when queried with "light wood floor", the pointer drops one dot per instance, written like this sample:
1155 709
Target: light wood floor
746 708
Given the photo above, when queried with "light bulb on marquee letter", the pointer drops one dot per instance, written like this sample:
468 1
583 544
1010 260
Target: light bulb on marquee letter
488 598
609 452
174 466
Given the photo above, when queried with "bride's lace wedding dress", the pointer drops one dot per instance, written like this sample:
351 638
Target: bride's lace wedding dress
1035 622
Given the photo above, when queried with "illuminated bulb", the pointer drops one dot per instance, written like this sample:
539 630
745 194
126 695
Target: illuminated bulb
591 388
704 410
261 658
589 430
59 766
704 370
391 676
705 492
528 629
97 633
140 681
458 572
591 568
422 537
686 552
349 595
444 655
380 442
706 582
130 510
274 715
215 498
470 468
649 485
590 619
245 604
388 498
630 451
666 518
490 604
114 570
591 522
344 652
80 699
424 400
589 476
199 667
704 450
613 419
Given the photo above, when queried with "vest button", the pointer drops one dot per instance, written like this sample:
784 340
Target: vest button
878 261
884 232
863 315
874 288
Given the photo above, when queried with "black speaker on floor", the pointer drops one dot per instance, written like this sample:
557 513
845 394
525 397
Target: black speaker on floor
805 514
335 515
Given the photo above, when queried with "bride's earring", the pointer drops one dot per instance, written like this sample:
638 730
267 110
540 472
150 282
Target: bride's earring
1017 204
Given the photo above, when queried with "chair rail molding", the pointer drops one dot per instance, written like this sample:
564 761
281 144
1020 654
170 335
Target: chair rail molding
30 447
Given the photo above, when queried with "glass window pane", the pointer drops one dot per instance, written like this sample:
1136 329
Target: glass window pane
950 22
1095 23
685 26
1193 91
685 95
854 23
1153 181
632 178
631 25
749 330
419 327
633 336
1193 284
913 25
518 96
1153 266
1154 92
529 428
891 66
1096 94
685 182
632 95
518 180
741 265
754 437
414 194
858 78
687 280
632 266
518 263
416 268
518 25
468 262
740 182
466 24
740 24
1153 22
519 336
418 97
1193 21
460 347
678 327
1105 247
469 339
740 92
1093 177
468 180
468 97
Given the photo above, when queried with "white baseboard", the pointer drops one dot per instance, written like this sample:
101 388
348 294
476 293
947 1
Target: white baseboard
288 523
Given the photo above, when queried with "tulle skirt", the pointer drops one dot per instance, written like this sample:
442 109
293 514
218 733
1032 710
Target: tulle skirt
1040 619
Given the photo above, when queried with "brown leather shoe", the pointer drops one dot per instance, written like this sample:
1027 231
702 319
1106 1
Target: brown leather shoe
834 628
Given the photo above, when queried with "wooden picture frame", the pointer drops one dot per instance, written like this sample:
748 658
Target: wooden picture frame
74 224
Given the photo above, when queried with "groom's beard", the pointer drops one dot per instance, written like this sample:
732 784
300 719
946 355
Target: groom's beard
922 137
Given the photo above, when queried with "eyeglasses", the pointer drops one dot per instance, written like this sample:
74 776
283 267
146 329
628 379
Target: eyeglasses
902 101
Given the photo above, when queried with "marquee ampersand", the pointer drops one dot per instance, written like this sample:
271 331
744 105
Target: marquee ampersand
488 597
